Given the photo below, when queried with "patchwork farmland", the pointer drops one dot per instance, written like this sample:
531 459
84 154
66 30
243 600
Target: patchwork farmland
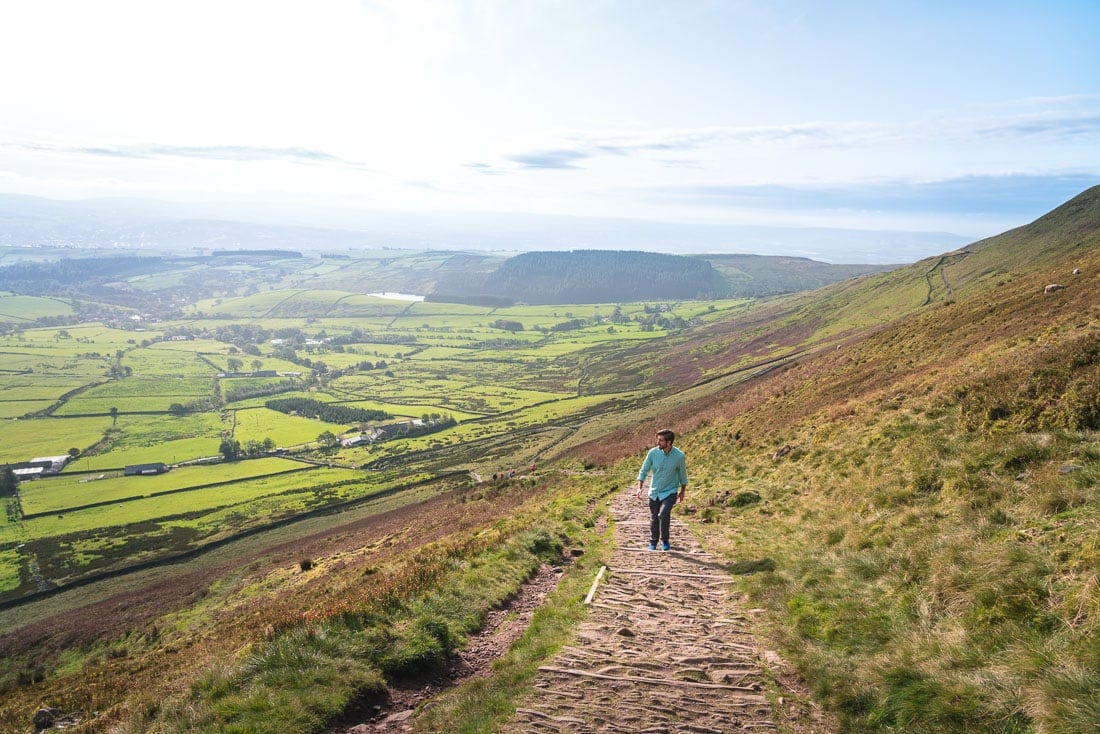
464 388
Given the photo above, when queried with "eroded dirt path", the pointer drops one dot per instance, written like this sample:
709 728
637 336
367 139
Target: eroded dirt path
664 649
502 628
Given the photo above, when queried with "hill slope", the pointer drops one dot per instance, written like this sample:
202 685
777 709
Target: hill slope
593 276
757 276
901 471
917 505
1065 232
1045 251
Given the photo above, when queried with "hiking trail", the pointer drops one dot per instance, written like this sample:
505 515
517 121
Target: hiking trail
665 648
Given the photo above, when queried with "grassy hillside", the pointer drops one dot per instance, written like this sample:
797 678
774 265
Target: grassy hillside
757 276
901 470
917 509
825 318
1066 232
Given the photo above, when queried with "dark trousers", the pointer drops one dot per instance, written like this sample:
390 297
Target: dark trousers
660 515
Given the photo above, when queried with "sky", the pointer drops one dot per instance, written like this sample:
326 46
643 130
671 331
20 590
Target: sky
969 118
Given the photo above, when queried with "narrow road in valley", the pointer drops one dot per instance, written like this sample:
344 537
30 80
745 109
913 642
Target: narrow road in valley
666 648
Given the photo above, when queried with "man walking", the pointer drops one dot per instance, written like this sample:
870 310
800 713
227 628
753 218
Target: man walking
669 467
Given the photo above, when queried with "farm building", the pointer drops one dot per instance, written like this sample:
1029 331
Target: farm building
40 466
50 464
145 469
373 434
395 429
353 441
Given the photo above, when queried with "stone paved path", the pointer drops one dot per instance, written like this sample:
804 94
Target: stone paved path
664 649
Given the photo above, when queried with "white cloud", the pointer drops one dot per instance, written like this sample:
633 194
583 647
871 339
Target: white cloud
520 105
1072 120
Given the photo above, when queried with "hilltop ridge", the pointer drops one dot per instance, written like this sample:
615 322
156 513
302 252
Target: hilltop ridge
1068 229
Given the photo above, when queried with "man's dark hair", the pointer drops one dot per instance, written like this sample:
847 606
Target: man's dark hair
667 434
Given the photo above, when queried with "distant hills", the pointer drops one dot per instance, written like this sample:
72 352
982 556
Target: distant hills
614 276
149 224
160 282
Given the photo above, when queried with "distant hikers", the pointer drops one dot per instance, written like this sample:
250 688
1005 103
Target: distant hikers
669 467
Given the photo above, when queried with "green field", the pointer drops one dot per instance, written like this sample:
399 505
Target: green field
9 569
25 439
28 308
122 396
161 362
196 346
124 452
76 339
67 491
45 373
18 408
140 508
256 424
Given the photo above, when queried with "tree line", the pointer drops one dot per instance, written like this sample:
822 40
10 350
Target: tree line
327 412
602 276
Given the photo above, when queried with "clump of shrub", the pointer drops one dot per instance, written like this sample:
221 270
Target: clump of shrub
744 499
927 481
314 663
420 649
754 565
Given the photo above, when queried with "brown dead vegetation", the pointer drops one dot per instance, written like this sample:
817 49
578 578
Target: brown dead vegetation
153 655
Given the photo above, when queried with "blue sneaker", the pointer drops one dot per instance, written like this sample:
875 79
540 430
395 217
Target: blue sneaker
653 546
665 546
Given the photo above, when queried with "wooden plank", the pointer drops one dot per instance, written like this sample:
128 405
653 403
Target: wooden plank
595 583
657 681
706 577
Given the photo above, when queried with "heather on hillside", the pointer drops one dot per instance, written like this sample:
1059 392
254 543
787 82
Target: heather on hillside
899 473
924 528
